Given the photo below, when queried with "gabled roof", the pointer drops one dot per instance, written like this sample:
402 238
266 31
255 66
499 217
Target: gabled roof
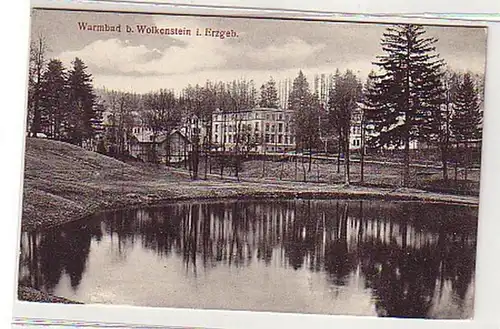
147 136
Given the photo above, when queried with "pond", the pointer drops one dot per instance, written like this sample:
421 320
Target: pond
362 257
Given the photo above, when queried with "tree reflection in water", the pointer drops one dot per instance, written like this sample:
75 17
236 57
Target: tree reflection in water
405 252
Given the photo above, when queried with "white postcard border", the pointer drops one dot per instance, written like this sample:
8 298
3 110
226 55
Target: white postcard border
487 268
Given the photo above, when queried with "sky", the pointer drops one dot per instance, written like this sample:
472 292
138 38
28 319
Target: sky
263 48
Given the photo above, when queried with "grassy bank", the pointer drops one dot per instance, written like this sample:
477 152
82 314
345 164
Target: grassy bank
32 295
63 182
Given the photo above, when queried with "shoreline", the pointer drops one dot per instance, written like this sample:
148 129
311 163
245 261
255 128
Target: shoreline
247 190
31 294
135 200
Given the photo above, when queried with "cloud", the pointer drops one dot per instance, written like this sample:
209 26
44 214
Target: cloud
120 57
295 50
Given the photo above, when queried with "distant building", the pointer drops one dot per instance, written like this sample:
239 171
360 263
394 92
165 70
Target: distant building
173 146
193 127
265 129
355 133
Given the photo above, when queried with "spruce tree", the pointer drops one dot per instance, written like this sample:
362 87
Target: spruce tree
467 117
81 101
404 101
466 120
53 98
269 94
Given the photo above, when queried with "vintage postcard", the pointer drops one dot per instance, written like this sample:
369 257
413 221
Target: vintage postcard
252 164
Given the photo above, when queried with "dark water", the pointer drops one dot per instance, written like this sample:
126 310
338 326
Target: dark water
337 257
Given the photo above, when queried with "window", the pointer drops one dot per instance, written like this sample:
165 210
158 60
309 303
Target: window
256 126
273 128
280 117
216 128
267 126
286 139
280 127
216 138
280 139
267 138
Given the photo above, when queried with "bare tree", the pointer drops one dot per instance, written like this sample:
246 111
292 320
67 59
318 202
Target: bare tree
37 63
161 114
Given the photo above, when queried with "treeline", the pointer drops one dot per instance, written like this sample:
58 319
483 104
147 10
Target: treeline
412 98
61 102
415 99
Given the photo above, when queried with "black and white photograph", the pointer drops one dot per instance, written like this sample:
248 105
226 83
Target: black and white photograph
252 164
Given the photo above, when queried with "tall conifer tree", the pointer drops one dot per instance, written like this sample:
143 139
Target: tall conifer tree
53 98
467 117
269 94
404 101
81 101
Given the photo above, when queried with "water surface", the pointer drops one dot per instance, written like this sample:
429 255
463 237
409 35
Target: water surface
380 258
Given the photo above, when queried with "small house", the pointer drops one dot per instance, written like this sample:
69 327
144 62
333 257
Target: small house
162 147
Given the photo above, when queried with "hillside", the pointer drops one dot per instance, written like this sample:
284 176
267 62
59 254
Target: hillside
62 180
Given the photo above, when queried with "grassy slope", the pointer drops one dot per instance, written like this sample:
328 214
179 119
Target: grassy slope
64 182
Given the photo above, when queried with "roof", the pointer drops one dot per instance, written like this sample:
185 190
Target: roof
147 136
255 109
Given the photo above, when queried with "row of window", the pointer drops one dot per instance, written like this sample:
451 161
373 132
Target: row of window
254 116
269 127
269 138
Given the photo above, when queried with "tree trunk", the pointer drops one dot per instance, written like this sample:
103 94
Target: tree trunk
466 158
310 159
444 161
296 163
339 150
446 146
195 157
406 170
222 157
207 148
304 170
264 147
346 157
168 150
362 152
237 151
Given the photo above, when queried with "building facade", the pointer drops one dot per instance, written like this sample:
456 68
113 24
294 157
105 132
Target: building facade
355 134
259 130
173 147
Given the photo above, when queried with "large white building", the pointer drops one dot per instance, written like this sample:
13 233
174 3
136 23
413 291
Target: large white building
264 129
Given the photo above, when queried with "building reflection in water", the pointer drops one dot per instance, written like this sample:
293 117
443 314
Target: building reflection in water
407 253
